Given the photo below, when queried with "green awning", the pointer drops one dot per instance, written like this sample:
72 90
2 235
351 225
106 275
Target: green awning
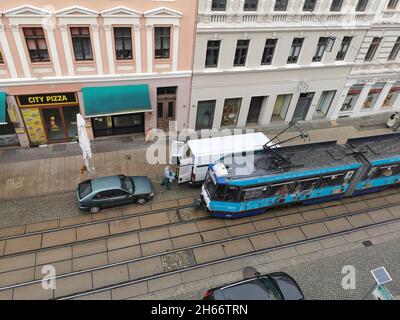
102 101
2 108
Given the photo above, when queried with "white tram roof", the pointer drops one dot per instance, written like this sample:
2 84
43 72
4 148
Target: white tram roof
220 146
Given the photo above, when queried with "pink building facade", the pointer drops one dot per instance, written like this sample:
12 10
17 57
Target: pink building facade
126 68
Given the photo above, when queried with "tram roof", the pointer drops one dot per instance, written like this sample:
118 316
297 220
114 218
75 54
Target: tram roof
306 159
378 149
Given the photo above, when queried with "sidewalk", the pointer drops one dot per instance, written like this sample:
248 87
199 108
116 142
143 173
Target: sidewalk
56 168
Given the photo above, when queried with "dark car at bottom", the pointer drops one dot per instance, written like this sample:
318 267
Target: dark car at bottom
273 286
96 194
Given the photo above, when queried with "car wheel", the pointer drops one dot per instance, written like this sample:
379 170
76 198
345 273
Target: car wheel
141 200
94 210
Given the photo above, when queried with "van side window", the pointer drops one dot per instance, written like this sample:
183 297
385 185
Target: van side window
332 181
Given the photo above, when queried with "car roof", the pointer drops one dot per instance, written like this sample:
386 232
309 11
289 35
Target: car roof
249 288
106 183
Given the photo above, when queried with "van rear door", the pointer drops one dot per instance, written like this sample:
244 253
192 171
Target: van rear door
185 170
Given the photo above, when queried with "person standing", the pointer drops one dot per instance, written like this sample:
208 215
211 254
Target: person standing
168 177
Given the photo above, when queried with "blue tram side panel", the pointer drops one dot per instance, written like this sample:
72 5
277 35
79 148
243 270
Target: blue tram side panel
381 157
319 172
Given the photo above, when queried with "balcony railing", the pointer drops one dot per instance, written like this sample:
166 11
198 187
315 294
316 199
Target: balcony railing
285 18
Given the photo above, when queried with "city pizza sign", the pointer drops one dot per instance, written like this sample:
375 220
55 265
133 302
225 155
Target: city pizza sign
52 99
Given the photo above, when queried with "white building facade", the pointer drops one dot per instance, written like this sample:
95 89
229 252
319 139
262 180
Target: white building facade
262 62
373 85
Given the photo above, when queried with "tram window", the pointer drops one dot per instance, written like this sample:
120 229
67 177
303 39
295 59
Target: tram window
210 185
331 181
280 189
252 193
231 193
304 185
382 172
220 193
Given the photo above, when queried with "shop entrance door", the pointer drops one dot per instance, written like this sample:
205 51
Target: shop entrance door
303 104
54 125
165 113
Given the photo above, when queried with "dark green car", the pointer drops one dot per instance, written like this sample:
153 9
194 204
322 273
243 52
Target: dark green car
96 194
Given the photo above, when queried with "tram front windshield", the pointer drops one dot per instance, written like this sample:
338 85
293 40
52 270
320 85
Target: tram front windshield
210 185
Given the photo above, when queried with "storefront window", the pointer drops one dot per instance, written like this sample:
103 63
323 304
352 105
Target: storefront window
352 97
373 95
281 107
324 103
231 110
392 96
70 122
205 114
54 125
121 124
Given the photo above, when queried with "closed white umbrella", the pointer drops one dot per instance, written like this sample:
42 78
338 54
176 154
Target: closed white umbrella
84 142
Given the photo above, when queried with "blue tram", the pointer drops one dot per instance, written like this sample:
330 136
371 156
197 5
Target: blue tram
308 173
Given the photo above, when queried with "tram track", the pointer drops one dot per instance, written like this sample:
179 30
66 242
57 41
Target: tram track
192 251
177 219
235 223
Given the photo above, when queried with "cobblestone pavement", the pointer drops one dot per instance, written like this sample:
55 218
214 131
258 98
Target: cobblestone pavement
318 274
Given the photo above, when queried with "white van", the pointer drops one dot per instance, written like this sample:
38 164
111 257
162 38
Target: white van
194 156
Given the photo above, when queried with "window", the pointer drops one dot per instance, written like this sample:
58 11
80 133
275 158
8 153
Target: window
250 5
280 189
306 185
212 54
81 43
218 5
295 50
281 107
332 181
336 5
395 50
230 113
101 196
309 5
116 193
373 95
162 37
84 189
205 114
383 172
352 97
219 193
324 103
231 193
241 53
343 48
281 5
1 58
166 91
252 193
392 96
361 5
320 49
123 43
36 43
372 49
269 49
392 4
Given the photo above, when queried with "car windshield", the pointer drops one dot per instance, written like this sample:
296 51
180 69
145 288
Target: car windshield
257 289
84 189
127 184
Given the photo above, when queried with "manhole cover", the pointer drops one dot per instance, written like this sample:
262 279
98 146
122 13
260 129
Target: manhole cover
367 243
